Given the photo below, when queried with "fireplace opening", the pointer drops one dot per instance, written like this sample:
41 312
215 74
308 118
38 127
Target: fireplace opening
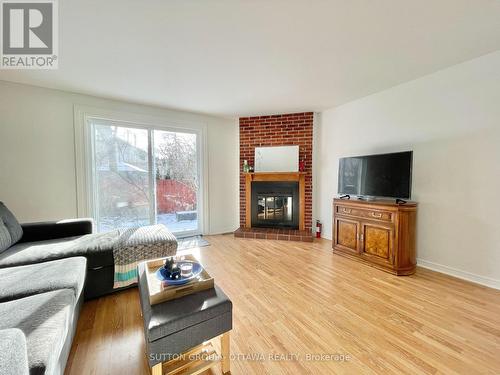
275 204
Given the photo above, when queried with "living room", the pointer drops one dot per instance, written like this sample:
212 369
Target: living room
249 187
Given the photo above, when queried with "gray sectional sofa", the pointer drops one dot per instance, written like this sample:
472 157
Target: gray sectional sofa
42 242
46 271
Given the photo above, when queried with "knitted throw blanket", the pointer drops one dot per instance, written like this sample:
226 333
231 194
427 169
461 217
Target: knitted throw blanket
139 244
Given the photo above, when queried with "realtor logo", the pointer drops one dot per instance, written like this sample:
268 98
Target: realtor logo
29 34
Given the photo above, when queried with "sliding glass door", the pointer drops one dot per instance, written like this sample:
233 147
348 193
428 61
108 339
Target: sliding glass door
144 175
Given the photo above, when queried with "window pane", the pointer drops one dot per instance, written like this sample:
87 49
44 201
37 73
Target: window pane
121 170
177 183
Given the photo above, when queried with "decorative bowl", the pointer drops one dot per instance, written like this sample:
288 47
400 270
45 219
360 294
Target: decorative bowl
162 275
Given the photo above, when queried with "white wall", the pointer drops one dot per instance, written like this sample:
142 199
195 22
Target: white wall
37 154
451 120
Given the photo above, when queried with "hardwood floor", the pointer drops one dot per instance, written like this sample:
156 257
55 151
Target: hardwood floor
426 323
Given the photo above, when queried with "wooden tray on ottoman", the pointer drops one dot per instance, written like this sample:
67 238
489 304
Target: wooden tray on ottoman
159 293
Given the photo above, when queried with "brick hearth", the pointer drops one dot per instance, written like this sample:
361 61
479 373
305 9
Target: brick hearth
274 234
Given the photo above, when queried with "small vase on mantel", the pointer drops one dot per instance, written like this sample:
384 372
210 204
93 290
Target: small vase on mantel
302 165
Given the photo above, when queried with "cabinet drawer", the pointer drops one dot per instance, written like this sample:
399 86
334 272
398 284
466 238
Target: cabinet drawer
364 213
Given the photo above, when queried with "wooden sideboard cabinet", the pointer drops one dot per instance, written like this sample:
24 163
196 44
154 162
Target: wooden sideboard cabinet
380 233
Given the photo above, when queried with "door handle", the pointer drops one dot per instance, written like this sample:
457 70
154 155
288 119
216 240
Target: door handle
346 210
377 215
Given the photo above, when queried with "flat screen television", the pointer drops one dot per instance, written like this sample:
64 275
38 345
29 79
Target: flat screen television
383 175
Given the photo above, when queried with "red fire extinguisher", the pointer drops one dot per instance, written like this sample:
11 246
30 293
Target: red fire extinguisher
318 229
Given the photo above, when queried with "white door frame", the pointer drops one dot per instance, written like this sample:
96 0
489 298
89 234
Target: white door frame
84 154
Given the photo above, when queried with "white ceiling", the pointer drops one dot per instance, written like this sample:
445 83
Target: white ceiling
235 58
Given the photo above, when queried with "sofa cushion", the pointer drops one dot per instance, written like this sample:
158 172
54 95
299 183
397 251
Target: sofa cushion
45 320
24 281
97 248
10 221
5 238
13 352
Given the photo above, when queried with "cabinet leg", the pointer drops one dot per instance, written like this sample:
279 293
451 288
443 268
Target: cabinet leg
225 349
157 369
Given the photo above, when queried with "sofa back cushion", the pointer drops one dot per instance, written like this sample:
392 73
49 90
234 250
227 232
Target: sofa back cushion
5 238
10 221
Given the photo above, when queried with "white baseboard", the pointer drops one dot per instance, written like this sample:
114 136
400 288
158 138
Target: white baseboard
221 231
486 281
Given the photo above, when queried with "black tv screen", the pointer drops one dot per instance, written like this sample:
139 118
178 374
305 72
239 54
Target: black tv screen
384 175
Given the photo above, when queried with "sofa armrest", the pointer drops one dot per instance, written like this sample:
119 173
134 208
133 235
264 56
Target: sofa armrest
13 352
49 230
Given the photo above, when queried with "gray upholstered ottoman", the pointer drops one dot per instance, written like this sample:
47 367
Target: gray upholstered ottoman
175 327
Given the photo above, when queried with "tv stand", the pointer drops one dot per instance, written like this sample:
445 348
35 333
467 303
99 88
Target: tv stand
380 233
401 201
347 196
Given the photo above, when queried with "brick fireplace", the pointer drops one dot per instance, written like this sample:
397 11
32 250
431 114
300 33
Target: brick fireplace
277 130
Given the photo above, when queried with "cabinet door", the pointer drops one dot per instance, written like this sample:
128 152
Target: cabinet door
377 243
346 234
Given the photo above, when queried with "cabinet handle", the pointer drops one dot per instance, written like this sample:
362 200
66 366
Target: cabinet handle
379 215
346 210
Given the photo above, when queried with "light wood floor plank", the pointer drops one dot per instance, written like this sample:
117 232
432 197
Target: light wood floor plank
292 298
